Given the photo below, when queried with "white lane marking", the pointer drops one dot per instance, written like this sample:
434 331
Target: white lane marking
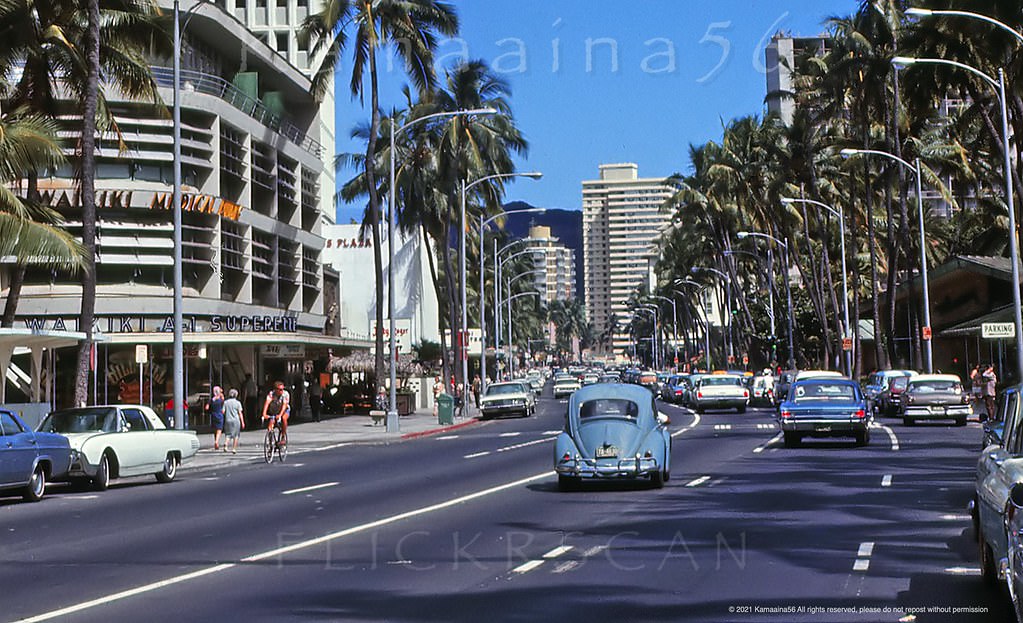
566 566
696 422
956 517
593 551
476 455
765 446
446 437
509 434
525 444
211 478
324 485
699 481
863 556
557 551
722 427
527 567
891 435
766 427
963 571
886 481
333 536
548 433
320 449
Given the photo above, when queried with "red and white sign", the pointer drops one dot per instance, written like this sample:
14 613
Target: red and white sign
402 334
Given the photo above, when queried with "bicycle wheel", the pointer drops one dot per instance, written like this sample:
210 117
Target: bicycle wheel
282 446
269 443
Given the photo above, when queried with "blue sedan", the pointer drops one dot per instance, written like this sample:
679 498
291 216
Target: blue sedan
824 407
613 431
28 459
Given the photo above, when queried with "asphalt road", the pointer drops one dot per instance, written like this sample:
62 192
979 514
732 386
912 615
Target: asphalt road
470 526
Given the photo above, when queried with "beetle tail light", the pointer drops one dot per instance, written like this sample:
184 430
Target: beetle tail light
745 393
566 457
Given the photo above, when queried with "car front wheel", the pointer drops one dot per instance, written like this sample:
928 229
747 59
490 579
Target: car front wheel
36 485
657 479
101 480
169 471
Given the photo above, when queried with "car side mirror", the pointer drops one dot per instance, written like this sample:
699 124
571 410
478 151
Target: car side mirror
663 419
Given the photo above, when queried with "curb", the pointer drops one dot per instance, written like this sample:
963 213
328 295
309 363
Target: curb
437 431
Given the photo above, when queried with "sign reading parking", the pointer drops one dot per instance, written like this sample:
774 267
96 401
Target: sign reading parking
997 330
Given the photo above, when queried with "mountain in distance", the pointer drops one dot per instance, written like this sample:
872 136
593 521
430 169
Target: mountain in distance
566 226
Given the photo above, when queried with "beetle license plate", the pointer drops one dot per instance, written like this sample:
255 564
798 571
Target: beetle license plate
607 452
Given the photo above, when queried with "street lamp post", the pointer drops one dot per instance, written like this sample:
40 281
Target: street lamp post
770 290
653 342
393 425
483 223
674 322
511 350
915 168
498 279
726 335
846 329
999 86
706 321
784 244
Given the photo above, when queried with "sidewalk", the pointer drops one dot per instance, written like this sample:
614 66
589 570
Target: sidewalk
330 432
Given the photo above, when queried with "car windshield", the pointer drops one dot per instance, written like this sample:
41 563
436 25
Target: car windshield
899 382
81 421
928 387
497 390
566 380
608 407
838 392
719 380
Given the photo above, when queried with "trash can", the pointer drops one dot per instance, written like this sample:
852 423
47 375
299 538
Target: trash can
445 409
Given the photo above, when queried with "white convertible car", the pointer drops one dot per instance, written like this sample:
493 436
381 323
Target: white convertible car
117 441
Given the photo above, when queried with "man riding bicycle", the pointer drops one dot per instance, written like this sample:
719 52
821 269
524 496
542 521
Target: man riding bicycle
277 404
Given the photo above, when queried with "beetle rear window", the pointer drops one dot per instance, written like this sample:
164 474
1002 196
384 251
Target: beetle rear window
609 407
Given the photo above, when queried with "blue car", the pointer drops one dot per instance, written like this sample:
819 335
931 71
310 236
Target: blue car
28 459
824 407
613 431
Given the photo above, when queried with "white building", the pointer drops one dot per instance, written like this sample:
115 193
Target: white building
258 190
556 282
780 56
416 308
622 220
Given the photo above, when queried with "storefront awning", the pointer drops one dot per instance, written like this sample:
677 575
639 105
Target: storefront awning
973 326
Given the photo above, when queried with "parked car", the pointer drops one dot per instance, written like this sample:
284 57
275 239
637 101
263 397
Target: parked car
935 397
1011 567
721 391
116 441
613 432
564 385
825 407
763 391
999 468
511 398
29 459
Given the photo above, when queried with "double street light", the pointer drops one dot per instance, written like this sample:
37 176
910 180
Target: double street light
483 223
700 288
788 288
393 425
653 342
840 215
999 86
726 335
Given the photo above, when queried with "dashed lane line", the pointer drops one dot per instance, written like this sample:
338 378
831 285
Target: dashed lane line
863 557
768 444
886 481
699 481
513 434
722 427
324 485
891 435
446 437
525 444
476 455
527 567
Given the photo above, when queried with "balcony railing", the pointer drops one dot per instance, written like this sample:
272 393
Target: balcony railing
218 87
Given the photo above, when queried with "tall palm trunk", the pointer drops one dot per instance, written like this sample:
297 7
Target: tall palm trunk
374 216
451 291
439 291
88 194
881 360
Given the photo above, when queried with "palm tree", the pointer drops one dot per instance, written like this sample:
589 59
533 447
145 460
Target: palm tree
412 26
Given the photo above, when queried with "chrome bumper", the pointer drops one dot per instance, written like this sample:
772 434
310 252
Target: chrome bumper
605 468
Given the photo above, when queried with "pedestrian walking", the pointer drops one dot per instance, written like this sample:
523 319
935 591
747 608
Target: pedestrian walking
977 387
315 397
216 408
477 384
438 389
990 381
234 420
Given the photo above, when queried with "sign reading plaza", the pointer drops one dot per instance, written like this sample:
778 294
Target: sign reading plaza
997 330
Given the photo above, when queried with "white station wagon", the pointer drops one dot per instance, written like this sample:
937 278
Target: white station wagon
116 441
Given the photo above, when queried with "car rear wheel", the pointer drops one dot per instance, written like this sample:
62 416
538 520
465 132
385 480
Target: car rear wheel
170 469
961 421
741 409
36 485
863 438
908 421
101 480
792 439
657 479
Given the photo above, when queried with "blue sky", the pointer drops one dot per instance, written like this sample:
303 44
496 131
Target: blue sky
595 81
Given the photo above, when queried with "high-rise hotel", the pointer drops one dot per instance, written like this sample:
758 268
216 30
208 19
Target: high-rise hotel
258 189
622 220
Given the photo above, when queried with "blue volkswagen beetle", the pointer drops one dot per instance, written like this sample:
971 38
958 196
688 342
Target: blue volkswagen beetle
613 431
28 459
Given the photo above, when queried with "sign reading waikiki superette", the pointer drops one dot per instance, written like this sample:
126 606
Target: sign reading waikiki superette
997 330
165 324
